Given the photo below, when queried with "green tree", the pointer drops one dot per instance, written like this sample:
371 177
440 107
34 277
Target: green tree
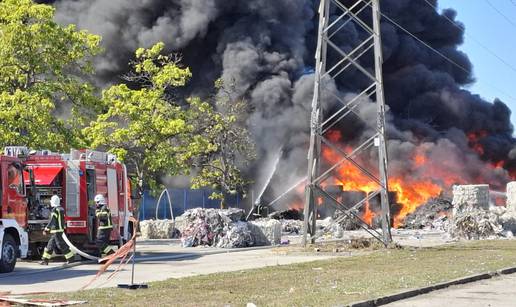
225 128
42 67
146 127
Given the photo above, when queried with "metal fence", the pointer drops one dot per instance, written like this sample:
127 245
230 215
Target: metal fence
182 200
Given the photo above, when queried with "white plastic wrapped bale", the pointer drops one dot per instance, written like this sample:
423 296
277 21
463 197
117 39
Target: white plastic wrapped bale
467 197
511 196
157 229
180 223
265 231
238 235
209 227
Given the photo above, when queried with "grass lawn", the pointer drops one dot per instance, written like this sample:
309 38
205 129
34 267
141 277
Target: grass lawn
320 283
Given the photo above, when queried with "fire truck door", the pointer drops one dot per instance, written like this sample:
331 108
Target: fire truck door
113 200
91 192
72 190
16 202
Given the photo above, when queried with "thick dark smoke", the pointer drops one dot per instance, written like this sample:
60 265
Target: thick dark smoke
265 49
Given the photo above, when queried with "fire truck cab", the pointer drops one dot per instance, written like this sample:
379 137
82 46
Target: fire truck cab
29 179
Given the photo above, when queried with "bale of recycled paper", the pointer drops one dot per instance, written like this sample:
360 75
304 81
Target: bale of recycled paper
266 231
237 235
157 229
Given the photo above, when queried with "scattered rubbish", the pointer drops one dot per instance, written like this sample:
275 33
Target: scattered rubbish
226 228
291 226
475 224
37 302
289 214
433 215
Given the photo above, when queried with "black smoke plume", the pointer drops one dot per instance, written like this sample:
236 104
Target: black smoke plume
266 49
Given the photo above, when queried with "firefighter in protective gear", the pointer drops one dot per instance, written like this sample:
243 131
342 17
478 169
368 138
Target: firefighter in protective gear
105 225
56 227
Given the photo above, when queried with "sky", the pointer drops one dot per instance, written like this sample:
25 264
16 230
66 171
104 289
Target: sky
486 28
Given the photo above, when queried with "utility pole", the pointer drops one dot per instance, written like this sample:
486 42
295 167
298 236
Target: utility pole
331 63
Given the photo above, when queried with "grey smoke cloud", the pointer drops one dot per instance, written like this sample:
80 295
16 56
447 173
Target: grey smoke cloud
263 48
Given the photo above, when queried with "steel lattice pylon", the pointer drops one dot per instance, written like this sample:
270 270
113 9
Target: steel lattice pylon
364 14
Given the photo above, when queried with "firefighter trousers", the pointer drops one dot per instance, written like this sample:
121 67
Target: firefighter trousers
102 241
57 244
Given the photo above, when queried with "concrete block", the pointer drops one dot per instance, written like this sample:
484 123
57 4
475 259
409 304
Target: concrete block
467 197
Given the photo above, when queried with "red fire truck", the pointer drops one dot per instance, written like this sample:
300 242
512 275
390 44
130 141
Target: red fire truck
28 181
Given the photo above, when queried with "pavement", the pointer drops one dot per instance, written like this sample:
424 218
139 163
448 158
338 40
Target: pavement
496 292
156 260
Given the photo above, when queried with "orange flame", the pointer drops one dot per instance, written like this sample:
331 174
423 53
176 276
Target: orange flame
368 214
423 178
410 192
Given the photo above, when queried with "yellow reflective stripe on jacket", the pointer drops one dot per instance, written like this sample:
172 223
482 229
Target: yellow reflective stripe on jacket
56 223
104 213
59 221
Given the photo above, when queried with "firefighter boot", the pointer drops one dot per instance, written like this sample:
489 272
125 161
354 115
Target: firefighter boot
43 262
70 258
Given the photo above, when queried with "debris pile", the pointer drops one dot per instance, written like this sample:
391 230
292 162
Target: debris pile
226 228
474 219
158 229
291 226
209 226
329 229
475 223
433 215
289 214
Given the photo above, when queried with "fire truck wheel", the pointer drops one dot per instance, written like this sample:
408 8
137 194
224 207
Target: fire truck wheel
9 253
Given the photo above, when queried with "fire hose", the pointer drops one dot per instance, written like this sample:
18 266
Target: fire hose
165 191
90 257
78 251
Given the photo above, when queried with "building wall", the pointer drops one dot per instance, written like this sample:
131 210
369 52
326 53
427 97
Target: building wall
182 200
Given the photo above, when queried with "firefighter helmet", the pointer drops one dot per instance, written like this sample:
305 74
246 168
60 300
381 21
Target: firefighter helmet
100 200
55 201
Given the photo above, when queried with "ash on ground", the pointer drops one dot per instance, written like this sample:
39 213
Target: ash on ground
433 215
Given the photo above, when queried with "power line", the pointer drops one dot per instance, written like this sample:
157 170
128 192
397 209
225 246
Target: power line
426 45
475 40
501 14
442 55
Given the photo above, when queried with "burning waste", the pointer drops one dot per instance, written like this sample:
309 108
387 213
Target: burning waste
439 134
